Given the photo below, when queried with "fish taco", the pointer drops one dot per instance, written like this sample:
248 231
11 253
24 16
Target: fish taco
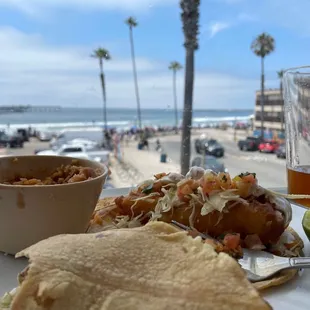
236 212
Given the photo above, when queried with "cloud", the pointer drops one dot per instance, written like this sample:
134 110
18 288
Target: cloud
29 53
283 13
216 27
34 72
36 6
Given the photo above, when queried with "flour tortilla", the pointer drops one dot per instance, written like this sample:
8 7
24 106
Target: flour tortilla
107 210
154 267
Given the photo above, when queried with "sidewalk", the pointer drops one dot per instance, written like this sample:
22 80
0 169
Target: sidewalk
220 135
138 166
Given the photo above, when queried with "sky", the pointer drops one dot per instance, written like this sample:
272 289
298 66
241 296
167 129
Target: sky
46 47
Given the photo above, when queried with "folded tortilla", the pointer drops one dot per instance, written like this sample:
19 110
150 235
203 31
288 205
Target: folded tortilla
153 267
107 212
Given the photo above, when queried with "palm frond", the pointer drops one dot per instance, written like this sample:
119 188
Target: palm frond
263 45
280 74
190 19
101 53
131 22
175 66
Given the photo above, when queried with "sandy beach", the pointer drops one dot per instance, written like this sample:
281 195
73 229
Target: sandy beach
138 165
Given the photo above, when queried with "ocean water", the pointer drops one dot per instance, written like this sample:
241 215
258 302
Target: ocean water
121 118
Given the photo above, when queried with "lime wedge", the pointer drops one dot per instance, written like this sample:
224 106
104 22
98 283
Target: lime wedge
306 223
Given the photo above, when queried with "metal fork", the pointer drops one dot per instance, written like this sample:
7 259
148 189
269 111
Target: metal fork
261 265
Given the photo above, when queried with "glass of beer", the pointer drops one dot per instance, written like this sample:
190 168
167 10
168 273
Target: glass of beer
296 87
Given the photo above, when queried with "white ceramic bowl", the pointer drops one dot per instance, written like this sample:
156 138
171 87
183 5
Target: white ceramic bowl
29 214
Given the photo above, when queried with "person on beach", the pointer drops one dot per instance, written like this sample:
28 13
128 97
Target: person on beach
158 145
127 138
107 137
117 145
146 143
144 139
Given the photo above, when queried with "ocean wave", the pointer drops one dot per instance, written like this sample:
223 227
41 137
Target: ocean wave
221 119
126 125
58 126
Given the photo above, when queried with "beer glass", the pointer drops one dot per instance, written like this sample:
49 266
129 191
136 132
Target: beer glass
296 87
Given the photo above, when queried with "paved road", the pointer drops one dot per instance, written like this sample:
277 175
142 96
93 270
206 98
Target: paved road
29 147
271 172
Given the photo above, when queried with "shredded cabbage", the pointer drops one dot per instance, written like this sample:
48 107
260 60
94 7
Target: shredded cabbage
6 300
164 204
148 198
126 222
218 202
202 194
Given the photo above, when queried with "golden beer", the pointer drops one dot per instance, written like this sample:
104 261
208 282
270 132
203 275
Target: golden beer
298 181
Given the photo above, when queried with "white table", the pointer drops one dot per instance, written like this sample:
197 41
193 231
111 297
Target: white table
294 295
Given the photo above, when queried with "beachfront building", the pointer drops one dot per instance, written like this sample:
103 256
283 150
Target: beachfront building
302 108
273 110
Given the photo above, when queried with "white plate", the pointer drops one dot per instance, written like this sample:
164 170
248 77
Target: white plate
293 295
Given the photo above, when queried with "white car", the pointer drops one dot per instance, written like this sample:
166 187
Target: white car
78 151
88 144
44 135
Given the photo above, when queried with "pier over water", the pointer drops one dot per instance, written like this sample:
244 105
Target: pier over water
28 109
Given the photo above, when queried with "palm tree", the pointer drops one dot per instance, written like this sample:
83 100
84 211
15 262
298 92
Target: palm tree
280 76
131 22
102 54
262 46
190 21
175 67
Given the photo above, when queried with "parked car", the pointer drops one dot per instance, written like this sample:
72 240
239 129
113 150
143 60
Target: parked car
11 140
199 143
23 133
281 151
209 162
88 144
249 144
44 136
209 147
67 136
79 151
241 125
268 146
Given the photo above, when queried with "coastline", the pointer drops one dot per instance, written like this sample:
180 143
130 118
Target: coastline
80 118
136 165
139 165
